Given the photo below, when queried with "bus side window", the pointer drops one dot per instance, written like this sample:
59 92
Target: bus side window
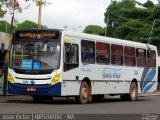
71 59
129 56
117 55
141 57
102 53
151 58
88 51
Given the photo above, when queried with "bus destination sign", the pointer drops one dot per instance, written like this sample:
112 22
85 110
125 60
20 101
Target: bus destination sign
37 35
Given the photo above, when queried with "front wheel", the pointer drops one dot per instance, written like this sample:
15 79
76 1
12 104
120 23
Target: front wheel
84 93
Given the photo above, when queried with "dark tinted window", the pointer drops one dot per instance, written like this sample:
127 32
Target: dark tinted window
151 58
129 56
102 53
141 57
116 54
88 51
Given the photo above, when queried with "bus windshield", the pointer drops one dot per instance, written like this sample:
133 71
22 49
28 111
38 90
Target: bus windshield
35 55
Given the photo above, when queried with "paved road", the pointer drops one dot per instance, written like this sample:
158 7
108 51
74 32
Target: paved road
111 105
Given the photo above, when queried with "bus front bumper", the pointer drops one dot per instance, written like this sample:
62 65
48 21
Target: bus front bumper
49 90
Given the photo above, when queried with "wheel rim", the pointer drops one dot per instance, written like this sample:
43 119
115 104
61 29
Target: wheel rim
84 93
134 92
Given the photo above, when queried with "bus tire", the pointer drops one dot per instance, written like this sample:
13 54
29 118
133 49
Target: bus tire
133 92
84 93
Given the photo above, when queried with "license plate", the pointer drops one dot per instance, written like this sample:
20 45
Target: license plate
31 89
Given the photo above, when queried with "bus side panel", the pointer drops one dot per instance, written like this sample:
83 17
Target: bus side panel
70 88
100 85
110 87
149 80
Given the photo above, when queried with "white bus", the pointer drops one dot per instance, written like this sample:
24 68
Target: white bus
48 63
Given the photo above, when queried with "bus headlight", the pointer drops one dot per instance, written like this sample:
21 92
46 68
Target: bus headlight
56 79
10 78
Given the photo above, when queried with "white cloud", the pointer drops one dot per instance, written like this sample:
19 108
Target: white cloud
71 13
75 13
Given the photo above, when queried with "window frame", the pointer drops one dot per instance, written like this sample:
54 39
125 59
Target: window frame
128 57
117 55
90 52
150 59
139 58
108 52
67 65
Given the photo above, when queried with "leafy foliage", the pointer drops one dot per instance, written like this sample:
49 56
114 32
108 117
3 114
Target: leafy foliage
126 20
4 26
27 25
94 29
149 4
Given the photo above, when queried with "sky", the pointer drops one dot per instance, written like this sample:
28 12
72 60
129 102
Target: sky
75 14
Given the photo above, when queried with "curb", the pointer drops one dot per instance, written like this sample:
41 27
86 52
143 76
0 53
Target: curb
149 94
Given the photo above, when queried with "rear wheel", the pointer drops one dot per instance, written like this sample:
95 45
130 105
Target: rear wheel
133 92
84 94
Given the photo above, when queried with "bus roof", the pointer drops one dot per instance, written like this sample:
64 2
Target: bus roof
109 40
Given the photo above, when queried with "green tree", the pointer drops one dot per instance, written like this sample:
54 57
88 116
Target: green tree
114 14
149 4
126 20
28 25
4 26
94 29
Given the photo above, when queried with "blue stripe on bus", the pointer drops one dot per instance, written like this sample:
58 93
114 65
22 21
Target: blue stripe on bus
49 90
147 78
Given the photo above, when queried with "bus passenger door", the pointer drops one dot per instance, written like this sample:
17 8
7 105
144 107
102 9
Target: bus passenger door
71 59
